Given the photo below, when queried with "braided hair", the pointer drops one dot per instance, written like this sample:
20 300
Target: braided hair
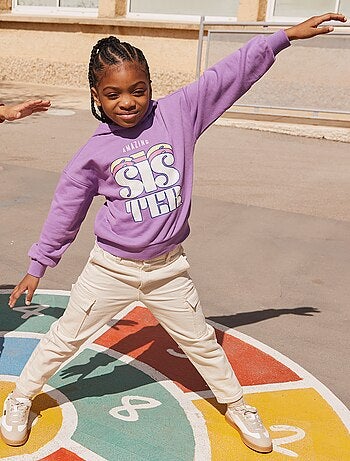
107 52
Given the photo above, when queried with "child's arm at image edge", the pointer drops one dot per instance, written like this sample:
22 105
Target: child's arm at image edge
24 109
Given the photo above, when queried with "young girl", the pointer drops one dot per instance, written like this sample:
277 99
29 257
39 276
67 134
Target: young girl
141 160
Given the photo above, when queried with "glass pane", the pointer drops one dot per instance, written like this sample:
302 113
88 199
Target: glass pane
79 3
36 2
345 7
312 74
303 9
185 7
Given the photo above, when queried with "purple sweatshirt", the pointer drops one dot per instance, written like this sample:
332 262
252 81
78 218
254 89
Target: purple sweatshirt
146 172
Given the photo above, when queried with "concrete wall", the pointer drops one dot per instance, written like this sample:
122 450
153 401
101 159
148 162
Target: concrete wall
5 5
52 50
57 52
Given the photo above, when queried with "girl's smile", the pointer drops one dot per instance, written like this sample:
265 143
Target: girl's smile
124 92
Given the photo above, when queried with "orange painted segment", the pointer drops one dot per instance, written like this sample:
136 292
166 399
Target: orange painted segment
301 423
140 336
62 455
44 429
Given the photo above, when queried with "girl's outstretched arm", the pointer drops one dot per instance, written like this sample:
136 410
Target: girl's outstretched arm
310 28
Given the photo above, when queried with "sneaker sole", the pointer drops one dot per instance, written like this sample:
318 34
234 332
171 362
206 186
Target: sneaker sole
249 444
12 443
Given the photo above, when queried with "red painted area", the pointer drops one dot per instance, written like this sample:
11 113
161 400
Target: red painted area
62 455
140 336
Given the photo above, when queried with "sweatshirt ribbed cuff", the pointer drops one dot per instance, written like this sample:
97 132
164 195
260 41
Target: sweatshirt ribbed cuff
36 269
278 41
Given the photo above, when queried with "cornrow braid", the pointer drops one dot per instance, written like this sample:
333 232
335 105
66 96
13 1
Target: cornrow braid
111 51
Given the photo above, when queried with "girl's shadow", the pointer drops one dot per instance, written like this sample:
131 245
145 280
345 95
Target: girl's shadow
103 375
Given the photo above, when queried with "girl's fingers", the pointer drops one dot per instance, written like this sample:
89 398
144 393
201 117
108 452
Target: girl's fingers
330 17
323 30
15 295
29 297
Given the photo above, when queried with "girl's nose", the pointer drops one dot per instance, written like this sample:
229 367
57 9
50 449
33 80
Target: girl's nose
126 102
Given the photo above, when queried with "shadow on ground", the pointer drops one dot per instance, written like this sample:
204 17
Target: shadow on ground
102 374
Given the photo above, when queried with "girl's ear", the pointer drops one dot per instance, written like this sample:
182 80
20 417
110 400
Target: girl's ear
95 96
150 89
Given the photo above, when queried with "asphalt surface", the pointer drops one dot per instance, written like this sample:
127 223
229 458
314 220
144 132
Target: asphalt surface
270 236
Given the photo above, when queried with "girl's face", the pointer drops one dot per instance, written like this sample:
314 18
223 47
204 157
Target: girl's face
124 92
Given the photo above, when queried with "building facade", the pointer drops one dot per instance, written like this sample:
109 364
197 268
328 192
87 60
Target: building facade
49 41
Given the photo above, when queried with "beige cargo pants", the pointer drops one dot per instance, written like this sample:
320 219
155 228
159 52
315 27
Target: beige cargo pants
109 284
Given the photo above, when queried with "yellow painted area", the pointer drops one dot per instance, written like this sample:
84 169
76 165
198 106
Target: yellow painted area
303 410
48 423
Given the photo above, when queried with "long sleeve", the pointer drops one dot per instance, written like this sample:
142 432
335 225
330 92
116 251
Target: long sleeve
224 83
70 204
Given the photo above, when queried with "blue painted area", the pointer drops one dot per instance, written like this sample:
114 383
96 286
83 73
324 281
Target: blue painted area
96 383
14 354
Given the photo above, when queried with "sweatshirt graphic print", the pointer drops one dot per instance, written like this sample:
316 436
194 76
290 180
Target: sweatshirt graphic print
148 171
145 172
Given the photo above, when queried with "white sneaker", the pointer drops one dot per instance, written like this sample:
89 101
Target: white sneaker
246 420
14 422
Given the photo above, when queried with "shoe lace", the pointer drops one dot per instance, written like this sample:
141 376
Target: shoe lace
250 414
19 411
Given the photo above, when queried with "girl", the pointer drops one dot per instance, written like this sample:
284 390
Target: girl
141 159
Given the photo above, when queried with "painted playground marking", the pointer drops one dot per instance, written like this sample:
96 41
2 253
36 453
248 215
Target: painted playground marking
61 112
129 394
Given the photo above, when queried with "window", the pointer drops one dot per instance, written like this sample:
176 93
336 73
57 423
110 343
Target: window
59 7
184 8
282 10
344 7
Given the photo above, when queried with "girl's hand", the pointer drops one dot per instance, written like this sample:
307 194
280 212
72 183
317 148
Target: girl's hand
309 28
29 283
24 109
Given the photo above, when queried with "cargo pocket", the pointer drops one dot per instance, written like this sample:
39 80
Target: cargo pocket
193 303
77 312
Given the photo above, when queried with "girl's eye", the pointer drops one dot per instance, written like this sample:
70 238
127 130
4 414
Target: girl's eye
139 92
112 95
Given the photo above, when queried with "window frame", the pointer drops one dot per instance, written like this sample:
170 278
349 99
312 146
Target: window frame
191 18
53 10
272 18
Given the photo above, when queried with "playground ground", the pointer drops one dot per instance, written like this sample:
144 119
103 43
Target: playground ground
272 214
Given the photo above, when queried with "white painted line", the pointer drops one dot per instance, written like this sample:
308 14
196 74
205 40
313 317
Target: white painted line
21 334
81 451
42 291
61 112
207 394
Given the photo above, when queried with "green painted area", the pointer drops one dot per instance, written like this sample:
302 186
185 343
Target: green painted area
96 383
11 320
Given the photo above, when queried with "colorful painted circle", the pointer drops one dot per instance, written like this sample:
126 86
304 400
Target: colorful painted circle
130 393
